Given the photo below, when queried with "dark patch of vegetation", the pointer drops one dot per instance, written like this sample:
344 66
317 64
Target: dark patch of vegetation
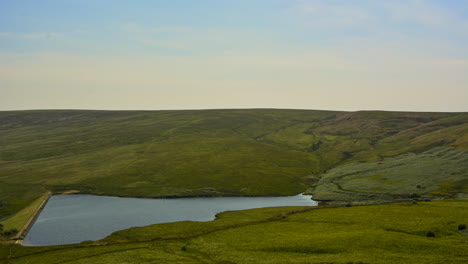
316 146
461 227
11 232
430 234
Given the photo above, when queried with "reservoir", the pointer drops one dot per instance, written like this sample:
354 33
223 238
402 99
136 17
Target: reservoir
69 219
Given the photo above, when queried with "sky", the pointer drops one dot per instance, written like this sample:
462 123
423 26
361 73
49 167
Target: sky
397 55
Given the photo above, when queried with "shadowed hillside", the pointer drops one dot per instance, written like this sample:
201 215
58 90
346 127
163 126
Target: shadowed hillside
232 152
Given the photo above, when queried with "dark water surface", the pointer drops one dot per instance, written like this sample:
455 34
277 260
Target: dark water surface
68 219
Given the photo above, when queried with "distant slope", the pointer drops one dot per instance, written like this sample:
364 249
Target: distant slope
211 152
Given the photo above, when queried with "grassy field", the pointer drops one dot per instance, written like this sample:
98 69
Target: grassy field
390 233
219 152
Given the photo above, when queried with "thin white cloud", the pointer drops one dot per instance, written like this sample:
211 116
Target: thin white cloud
344 13
418 11
172 37
454 62
164 43
135 28
200 40
26 36
331 13
148 69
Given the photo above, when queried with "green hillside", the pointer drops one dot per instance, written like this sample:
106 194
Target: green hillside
232 152
439 172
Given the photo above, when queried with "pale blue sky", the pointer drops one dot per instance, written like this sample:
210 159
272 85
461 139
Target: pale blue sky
185 54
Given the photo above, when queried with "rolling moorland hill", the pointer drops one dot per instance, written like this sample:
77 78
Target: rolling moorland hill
340 157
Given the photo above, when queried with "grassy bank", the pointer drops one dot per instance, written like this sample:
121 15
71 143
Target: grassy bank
20 223
19 220
391 233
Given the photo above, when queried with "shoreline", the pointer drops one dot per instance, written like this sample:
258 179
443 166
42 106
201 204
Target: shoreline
19 238
179 196
300 199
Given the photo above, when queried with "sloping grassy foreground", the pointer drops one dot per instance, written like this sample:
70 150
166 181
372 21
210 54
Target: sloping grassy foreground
391 233
215 152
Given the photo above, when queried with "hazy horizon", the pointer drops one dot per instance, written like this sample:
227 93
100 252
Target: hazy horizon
247 108
284 54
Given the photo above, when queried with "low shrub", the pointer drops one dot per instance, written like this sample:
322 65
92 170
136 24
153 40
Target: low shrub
10 232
